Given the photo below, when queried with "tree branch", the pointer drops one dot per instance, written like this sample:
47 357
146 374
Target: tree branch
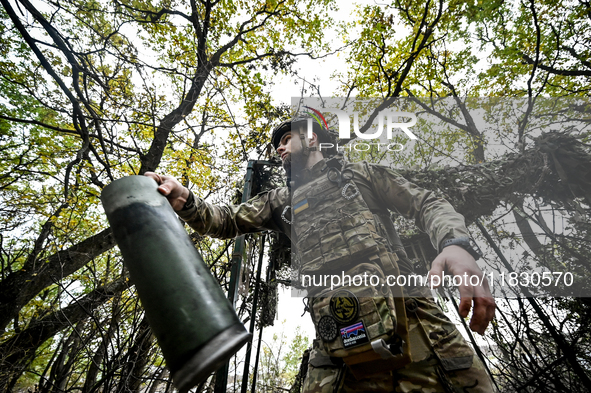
18 288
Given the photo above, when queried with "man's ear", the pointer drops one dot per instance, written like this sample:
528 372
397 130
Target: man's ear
314 140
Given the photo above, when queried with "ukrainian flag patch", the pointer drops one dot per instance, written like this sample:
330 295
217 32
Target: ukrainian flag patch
301 206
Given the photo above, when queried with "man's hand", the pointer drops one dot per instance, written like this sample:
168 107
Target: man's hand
170 187
456 261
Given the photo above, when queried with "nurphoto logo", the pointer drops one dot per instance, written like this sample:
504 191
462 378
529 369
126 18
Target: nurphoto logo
388 120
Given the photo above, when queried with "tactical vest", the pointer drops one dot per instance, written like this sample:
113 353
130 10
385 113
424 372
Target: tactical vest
335 233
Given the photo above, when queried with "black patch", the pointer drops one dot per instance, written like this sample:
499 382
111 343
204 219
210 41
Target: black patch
327 328
344 306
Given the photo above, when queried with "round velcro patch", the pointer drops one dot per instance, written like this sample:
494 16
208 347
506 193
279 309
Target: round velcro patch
344 306
327 328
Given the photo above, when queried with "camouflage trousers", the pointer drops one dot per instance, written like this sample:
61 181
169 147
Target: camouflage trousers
443 362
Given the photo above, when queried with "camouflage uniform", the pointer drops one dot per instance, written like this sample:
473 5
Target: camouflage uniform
442 360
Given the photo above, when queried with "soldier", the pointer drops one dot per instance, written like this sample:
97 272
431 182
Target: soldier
377 338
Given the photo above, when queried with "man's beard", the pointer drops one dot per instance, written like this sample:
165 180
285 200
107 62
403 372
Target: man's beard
287 164
293 163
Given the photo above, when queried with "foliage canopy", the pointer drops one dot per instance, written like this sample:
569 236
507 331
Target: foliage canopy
91 91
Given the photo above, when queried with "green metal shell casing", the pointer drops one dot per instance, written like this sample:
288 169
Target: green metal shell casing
195 325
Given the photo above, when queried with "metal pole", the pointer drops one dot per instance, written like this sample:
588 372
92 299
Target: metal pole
270 275
240 242
253 314
221 379
256 362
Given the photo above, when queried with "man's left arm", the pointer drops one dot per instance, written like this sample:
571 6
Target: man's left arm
439 219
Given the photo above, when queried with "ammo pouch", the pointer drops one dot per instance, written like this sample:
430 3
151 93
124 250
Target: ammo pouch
363 325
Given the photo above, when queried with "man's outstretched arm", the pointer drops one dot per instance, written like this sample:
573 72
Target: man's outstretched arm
260 213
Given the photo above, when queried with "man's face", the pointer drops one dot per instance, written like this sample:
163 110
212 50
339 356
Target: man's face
289 149
284 148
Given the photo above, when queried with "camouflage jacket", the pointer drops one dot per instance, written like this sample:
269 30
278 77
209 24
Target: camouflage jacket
382 188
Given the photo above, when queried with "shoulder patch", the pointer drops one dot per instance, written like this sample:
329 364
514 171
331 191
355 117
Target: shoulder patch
327 328
344 306
354 335
301 206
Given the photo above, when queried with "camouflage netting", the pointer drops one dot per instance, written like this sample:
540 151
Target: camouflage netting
279 252
557 169
268 303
